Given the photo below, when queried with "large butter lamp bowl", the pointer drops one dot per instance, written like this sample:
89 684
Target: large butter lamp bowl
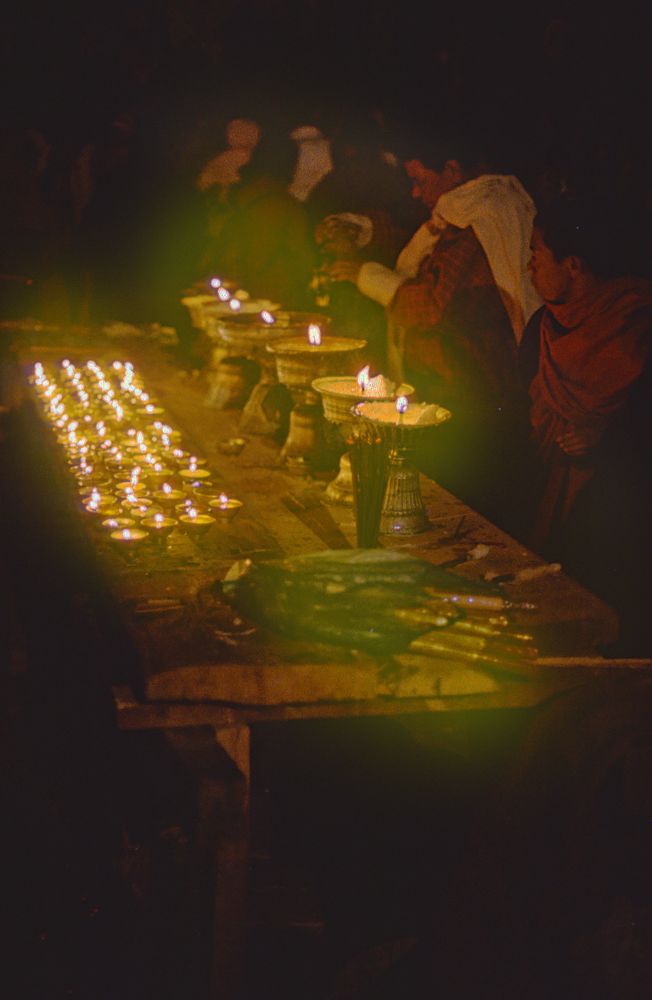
403 427
299 361
339 395
248 335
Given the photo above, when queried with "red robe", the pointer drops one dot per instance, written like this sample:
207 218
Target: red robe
584 378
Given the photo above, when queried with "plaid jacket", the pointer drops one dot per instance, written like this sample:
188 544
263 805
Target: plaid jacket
459 344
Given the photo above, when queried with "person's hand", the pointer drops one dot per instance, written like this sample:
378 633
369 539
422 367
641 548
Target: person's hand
578 441
343 270
337 238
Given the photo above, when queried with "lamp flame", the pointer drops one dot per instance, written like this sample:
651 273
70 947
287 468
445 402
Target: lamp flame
223 294
267 317
215 283
314 335
401 404
363 378
234 304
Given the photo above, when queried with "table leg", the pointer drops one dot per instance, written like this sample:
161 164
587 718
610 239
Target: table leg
230 868
218 760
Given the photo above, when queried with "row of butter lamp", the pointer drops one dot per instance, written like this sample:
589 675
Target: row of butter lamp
133 475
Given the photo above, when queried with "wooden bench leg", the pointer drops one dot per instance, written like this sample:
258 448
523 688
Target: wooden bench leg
218 761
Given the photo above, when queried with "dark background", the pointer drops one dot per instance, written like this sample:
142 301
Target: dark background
554 79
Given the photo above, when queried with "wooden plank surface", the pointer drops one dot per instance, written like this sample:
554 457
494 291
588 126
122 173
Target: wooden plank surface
192 650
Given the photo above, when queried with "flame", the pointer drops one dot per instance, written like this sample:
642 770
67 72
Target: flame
363 378
267 317
166 488
401 404
223 500
126 533
223 295
234 304
215 283
158 518
314 335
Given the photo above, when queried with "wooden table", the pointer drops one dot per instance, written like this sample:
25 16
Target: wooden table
206 693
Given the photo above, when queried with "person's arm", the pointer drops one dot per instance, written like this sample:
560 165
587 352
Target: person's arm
421 301
381 283
529 348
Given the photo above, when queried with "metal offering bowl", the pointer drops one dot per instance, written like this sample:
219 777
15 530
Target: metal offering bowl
340 393
404 512
298 362
250 336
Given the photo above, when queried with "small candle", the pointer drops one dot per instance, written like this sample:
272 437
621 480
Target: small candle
186 505
225 507
196 524
115 523
159 526
131 502
131 487
129 538
168 496
194 472
158 473
144 509
314 335
103 508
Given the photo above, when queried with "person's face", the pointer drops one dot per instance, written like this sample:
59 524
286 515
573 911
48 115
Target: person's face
429 185
552 279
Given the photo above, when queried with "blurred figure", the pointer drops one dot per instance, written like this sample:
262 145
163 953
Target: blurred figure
587 357
314 160
366 181
265 244
222 171
456 303
361 211
35 224
112 192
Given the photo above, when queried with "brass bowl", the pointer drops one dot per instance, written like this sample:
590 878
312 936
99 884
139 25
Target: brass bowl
340 393
298 362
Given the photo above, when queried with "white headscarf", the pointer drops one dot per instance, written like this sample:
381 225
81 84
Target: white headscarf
500 212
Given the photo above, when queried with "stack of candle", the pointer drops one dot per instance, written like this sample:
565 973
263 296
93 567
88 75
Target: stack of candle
369 468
